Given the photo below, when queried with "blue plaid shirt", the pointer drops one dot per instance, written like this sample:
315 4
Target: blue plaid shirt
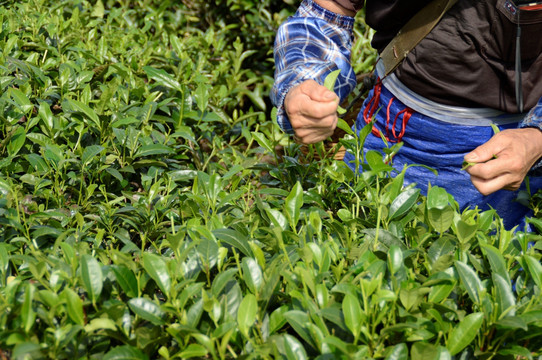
310 45
316 41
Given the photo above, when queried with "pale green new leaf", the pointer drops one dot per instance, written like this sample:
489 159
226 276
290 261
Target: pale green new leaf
352 314
246 315
92 276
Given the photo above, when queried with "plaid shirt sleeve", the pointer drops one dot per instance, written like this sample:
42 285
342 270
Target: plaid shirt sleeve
310 45
534 119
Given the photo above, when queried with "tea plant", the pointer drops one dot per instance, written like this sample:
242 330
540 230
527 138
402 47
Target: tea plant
150 208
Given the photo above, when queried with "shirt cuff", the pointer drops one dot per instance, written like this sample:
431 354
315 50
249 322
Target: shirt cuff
308 46
534 120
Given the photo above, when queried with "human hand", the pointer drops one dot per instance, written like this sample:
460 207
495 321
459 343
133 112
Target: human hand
312 110
503 161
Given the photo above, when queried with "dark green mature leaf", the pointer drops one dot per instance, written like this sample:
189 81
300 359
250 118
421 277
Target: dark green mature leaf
403 203
462 335
293 204
252 274
90 152
505 297
21 100
156 267
535 269
234 239
153 149
147 310
298 320
221 280
470 281
517 351
16 142
395 259
125 352
496 261
399 352
162 78
79 107
91 273
126 279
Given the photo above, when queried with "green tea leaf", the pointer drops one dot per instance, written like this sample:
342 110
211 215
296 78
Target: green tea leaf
331 79
153 149
91 273
395 259
403 203
262 140
535 269
21 100
162 78
28 315
74 306
16 142
156 267
496 261
252 274
234 239
79 107
293 204
470 281
126 279
194 351
399 352
437 198
90 152
125 352
464 333
505 297
352 314
148 310
246 316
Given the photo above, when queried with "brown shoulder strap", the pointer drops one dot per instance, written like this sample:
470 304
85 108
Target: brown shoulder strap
413 32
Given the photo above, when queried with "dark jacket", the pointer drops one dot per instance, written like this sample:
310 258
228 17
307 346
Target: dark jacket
469 57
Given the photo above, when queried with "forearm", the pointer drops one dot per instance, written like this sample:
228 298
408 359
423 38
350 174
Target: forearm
339 7
308 46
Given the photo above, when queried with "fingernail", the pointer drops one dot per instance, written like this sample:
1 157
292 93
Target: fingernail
329 95
471 157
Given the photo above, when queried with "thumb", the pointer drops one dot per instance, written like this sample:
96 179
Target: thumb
319 92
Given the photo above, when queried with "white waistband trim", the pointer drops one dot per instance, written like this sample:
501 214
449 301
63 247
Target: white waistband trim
446 113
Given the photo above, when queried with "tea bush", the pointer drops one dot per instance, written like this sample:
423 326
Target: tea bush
150 208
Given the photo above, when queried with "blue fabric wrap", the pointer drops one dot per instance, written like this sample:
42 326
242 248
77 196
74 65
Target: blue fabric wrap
442 146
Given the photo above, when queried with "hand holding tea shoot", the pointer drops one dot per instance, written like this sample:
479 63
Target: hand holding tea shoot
329 83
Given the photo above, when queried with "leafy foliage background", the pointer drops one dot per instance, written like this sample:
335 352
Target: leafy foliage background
150 208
